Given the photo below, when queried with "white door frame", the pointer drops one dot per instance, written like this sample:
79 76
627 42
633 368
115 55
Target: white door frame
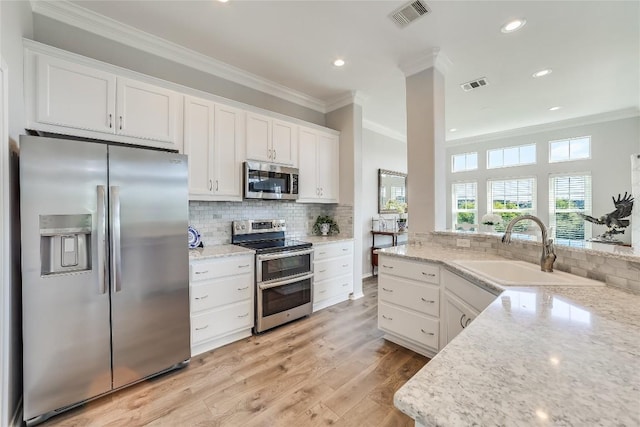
5 268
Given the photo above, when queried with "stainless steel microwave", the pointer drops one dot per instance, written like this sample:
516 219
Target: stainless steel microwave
270 181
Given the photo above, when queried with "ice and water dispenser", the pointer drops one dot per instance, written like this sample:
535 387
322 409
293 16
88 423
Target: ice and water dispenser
65 243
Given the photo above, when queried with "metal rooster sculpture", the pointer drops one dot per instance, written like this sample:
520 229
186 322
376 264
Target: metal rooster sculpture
614 221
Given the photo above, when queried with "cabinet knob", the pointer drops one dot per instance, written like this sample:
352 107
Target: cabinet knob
462 320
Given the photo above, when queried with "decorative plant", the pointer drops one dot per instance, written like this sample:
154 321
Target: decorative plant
325 219
398 206
491 219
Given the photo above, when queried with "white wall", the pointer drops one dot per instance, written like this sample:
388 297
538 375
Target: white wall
612 143
15 22
378 152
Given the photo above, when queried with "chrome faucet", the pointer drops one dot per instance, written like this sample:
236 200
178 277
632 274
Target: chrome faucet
548 251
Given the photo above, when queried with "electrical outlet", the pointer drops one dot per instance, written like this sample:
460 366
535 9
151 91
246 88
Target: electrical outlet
463 243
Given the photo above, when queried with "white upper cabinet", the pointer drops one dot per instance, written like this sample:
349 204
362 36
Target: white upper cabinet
270 140
86 99
228 152
213 140
318 162
146 111
75 96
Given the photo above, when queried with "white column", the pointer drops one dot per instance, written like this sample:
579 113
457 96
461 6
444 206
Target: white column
426 162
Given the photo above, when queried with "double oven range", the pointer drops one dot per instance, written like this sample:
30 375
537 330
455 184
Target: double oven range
284 271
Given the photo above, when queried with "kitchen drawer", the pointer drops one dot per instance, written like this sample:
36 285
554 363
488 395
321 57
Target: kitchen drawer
214 293
221 321
332 287
333 250
414 327
418 296
221 267
424 272
334 267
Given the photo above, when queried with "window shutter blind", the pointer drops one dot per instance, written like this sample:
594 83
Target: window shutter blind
568 196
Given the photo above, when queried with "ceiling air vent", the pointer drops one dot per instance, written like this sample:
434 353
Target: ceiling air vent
409 13
474 84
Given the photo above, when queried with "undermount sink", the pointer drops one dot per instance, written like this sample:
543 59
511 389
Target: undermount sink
520 273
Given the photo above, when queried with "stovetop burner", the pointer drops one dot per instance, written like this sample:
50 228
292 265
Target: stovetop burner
264 236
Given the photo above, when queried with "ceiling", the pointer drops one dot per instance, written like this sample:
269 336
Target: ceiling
592 47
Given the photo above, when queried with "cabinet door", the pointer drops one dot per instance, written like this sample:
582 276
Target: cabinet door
328 167
307 185
227 158
198 145
284 137
75 96
147 111
258 137
458 316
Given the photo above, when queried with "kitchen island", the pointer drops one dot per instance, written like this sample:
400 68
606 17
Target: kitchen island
544 355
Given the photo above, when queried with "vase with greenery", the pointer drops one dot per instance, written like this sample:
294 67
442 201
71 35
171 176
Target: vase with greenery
331 228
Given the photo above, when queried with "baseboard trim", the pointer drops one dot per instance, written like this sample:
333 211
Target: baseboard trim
367 275
16 419
354 295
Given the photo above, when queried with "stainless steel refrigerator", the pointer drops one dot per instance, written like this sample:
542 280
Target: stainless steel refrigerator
105 282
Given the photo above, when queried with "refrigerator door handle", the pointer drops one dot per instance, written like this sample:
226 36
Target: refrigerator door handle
114 221
102 242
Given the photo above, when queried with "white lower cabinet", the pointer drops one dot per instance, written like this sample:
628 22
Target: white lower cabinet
221 301
462 301
332 273
409 303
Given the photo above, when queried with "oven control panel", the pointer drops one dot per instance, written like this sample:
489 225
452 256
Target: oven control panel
258 226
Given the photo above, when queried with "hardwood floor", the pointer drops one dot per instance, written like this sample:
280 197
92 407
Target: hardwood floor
332 368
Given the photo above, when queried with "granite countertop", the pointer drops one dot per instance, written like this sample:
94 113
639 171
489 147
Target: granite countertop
536 356
323 240
218 251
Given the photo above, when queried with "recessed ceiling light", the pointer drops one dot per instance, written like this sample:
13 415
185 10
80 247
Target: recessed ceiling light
542 73
554 108
223 1
514 25
453 130
338 62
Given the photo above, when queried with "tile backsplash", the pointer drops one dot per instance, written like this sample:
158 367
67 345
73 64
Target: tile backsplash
213 219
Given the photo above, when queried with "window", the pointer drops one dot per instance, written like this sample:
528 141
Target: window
464 162
568 196
511 198
511 156
465 205
570 149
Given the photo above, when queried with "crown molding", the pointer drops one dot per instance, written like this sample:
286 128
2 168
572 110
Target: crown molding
562 124
384 130
87 20
351 97
433 59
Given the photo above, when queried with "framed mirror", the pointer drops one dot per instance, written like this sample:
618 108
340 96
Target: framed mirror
392 192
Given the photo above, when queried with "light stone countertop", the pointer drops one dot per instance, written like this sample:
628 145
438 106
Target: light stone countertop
545 355
218 251
323 240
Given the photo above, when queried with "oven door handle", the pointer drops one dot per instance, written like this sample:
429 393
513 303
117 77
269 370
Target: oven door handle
268 257
264 286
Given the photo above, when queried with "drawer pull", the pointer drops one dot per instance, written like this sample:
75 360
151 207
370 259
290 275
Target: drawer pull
430 301
462 320
387 290
387 266
323 291
322 253
202 272
428 333
204 327
345 265
322 271
345 249
203 297
345 284
243 315
244 266
242 289
388 318
429 274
